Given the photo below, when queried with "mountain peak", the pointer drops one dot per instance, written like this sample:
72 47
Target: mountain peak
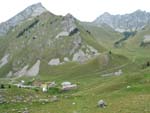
35 9
39 4
31 11
137 11
68 15
106 14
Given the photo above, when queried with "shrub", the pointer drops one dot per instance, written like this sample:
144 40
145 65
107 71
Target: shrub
53 90
2 86
148 64
127 34
110 52
9 86
36 89
21 33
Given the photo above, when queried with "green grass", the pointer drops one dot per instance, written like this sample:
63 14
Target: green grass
112 89
91 88
88 76
105 35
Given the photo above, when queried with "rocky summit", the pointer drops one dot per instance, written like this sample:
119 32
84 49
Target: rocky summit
31 11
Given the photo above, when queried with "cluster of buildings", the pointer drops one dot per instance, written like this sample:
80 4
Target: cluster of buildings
65 86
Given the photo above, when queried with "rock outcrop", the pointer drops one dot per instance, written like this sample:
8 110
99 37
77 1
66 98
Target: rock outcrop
10 74
146 39
4 60
25 71
79 56
54 62
69 23
34 70
22 72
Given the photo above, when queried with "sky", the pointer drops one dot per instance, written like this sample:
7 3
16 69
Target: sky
84 10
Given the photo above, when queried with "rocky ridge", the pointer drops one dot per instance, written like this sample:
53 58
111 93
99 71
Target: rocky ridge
127 22
31 11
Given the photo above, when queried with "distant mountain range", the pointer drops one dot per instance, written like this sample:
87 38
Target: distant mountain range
127 22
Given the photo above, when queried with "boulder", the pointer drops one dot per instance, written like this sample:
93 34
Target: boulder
118 73
128 87
101 104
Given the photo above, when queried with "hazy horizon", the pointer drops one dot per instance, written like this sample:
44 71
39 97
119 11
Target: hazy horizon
83 10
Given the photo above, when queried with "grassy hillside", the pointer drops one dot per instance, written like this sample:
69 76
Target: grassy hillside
37 39
105 35
46 37
127 93
138 38
92 87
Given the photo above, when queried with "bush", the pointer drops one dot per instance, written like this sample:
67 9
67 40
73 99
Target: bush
21 33
9 86
110 52
148 64
53 90
127 34
2 86
36 89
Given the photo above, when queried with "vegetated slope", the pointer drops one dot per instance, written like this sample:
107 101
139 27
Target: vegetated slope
137 46
44 39
133 41
126 93
103 64
39 39
140 40
128 24
104 34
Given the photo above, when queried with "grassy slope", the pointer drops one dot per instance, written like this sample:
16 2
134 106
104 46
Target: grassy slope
25 50
138 38
104 35
92 87
132 49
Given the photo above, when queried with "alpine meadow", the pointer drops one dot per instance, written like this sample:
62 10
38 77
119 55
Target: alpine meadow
58 64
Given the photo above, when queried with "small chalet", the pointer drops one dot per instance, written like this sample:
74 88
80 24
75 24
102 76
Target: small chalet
68 86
